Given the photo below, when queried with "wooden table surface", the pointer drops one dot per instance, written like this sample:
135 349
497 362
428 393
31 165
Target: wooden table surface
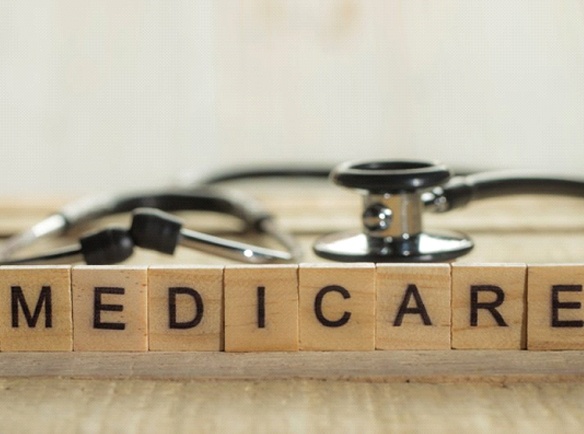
397 391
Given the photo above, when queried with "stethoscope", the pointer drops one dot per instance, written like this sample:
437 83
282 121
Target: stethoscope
152 227
395 196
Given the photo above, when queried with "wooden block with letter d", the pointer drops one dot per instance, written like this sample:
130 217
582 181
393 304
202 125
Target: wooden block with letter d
185 308
35 312
337 307
489 306
413 306
261 308
556 312
109 308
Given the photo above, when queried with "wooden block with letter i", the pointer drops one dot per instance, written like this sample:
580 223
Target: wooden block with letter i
337 307
413 306
489 306
556 312
185 308
261 308
109 308
35 312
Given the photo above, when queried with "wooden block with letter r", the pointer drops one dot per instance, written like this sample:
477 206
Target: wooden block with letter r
261 308
337 307
413 306
185 308
35 312
556 314
489 306
109 308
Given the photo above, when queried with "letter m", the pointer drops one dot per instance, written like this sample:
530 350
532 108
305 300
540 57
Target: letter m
19 300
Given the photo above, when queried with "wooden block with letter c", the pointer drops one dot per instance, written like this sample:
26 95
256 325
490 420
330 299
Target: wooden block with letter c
337 307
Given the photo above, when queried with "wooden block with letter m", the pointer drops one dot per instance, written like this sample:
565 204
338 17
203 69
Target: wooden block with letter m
35 312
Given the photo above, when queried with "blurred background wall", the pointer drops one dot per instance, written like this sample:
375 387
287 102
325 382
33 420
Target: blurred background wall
115 94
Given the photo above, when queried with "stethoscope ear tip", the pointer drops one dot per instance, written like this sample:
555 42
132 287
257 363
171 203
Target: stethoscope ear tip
155 229
107 246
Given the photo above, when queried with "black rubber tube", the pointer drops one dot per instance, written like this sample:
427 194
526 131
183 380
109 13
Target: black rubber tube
461 190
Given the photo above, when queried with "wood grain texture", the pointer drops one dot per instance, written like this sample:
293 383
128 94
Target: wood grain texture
109 308
428 366
413 306
261 308
555 299
489 306
43 317
185 308
267 406
337 307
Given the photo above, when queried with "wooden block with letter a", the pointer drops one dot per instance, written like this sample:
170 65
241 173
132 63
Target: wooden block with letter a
556 315
35 312
413 306
489 306
185 308
261 308
337 307
109 308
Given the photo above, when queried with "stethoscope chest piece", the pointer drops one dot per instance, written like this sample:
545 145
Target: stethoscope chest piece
392 215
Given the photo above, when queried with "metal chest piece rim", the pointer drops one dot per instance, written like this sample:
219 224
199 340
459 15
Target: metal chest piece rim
392 215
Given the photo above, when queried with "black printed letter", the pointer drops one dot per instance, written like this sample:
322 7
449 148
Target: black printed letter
98 307
261 307
557 305
491 307
31 320
172 321
318 306
420 309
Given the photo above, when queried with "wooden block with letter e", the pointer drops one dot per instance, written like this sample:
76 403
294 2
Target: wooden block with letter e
337 307
556 314
489 306
35 313
185 308
413 306
261 308
109 308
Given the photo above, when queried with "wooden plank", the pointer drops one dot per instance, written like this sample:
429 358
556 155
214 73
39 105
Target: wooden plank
301 405
430 366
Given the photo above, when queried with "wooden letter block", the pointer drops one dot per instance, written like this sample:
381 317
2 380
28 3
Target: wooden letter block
337 307
556 313
489 306
413 306
261 308
35 312
109 308
185 308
